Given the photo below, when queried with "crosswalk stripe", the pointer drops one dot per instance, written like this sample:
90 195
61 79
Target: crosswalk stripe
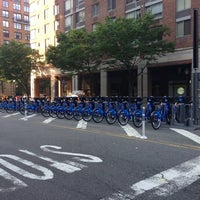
130 131
47 121
27 117
10 115
82 124
164 183
187 134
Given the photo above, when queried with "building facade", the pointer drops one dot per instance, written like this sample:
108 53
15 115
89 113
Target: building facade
14 25
171 75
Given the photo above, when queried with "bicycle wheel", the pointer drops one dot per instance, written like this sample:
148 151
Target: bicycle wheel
45 112
155 120
111 116
97 115
77 114
68 114
123 117
87 114
168 118
60 114
137 118
53 113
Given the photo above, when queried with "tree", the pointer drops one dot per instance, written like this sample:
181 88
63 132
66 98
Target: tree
16 64
75 52
130 41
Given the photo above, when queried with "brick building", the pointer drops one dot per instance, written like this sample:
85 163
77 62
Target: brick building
14 25
166 76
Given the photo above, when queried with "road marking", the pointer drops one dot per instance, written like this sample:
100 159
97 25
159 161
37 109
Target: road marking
187 134
82 124
47 174
10 115
130 131
28 116
165 183
87 158
58 165
49 120
15 181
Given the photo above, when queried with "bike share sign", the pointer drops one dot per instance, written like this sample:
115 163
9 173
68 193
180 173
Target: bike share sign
66 166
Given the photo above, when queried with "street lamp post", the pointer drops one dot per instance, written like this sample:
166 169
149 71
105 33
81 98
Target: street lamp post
196 74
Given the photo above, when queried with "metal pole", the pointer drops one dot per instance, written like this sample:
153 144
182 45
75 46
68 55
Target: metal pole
25 111
195 65
143 123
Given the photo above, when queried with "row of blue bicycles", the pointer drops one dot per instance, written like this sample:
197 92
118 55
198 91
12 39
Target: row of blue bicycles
112 109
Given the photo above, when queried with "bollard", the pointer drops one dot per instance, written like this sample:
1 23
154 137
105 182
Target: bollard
143 123
25 109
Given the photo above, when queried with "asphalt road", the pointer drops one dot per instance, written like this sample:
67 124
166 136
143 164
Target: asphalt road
53 159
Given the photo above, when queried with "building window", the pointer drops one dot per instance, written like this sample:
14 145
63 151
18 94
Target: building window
5 4
183 28
5 13
68 5
6 33
156 10
26 18
26 9
18 35
134 14
80 4
183 5
17 17
27 37
80 18
33 34
6 42
46 28
111 4
68 22
46 2
47 43
95 10
5 23
17 26
130 4
46 14
16 6
26 27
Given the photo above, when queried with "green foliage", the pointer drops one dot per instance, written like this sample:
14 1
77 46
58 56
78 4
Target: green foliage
75 52
16 64
130 41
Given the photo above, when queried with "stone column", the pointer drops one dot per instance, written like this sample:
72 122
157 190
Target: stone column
103 83
53 85
142 80
74 82
33 76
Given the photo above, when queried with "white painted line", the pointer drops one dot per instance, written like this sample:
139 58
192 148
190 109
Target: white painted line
165 183
10 115
15 181
29 116
47 174
49 120
187 134
58 165
82 124
130 131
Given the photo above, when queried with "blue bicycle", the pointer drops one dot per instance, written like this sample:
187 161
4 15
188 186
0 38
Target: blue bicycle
126 113
163 114
137 115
